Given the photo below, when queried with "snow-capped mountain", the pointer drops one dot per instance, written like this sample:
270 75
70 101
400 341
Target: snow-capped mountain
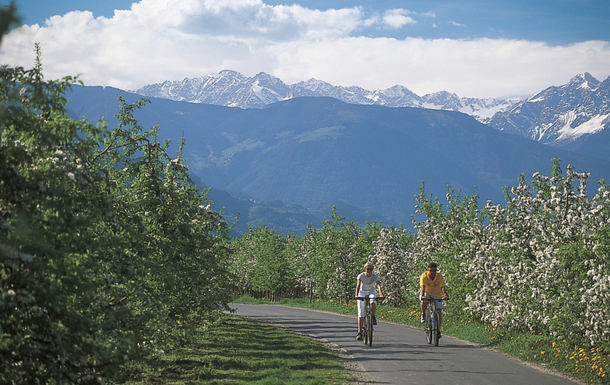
573 116
232 89
560 116
482 109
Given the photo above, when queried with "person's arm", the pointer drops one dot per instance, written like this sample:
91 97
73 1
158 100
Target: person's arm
422 286
358 288
445 295
379 288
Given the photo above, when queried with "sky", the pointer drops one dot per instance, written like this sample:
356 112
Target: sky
474 48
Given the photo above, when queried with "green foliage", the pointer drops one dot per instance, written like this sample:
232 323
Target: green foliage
107 251
166 237
50 204
338 257
322 263
261 264
8 17
397 266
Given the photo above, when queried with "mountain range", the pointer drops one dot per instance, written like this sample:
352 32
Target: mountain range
574 116
232 89
285 163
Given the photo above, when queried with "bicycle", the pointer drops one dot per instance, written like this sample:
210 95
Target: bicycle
368 319
431 327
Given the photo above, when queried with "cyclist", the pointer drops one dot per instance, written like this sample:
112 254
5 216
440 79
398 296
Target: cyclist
365 286
432 286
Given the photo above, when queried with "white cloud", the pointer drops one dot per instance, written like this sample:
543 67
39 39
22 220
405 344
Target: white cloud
397 18
456 24
475 68
161 40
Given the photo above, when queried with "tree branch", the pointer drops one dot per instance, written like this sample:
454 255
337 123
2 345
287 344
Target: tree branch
127 296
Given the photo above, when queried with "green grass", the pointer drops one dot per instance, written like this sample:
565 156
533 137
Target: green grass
590 365
242 351
321 133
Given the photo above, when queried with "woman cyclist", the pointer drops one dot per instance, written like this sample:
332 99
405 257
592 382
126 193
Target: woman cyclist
367 281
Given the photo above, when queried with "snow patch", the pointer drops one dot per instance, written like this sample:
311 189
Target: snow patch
585 85
256 87
536 99
592 126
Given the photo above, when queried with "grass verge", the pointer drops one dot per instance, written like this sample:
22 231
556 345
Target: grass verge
242 351
590 365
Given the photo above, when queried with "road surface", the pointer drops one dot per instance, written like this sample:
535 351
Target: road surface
400 354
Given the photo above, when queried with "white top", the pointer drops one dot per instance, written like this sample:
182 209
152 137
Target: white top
368 283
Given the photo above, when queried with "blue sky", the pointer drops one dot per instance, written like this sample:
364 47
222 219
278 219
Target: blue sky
554 21
471 47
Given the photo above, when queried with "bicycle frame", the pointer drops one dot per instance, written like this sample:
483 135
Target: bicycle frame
368 319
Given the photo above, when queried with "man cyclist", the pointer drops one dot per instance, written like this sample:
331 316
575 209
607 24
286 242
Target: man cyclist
365 286
432 287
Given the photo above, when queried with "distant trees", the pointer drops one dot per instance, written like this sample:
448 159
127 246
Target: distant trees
107 249
261 265
323 263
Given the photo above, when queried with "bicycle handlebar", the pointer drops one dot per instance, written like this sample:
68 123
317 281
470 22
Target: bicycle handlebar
363 298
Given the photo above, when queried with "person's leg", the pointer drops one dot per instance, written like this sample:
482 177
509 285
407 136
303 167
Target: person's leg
373 308
424 305
372 297
373 303
360 327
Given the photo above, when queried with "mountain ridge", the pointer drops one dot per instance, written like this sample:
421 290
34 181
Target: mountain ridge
232 89
574 116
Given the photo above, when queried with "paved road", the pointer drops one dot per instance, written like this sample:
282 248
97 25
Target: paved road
400 354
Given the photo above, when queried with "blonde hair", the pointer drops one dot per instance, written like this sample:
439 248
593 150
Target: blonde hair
367 265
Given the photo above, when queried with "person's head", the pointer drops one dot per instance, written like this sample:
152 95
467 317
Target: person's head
368 268
432 267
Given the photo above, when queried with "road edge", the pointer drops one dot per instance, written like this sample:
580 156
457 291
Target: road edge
353 369
540 367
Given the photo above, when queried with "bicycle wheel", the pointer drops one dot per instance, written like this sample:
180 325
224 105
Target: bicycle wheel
428 328
438 328
365 331
370 331
435 330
